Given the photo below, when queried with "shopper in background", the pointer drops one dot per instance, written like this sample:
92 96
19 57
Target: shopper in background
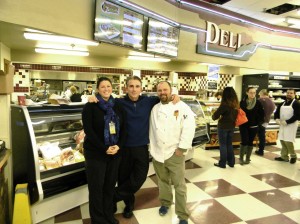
172 128
226 113
269 108
88 91
255 114
287 115
104 127
75 96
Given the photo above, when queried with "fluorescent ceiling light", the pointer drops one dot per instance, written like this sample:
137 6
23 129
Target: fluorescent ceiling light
137 53
141 58
61 51
61 47
59 39
204 63
293 21
35 31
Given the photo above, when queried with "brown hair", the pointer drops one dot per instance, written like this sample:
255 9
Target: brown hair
101 79
133 77
230 98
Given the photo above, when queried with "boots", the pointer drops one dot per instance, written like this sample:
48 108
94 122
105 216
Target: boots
248 154
243 149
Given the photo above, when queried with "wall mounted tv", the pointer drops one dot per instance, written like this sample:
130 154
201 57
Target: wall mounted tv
118 25
162 38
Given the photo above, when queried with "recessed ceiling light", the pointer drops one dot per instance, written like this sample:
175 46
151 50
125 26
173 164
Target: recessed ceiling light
59 39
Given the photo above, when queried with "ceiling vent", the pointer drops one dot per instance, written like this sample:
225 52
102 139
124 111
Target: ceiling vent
219 2
278 10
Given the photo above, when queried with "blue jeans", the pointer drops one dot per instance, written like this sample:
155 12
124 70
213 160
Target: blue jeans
226 149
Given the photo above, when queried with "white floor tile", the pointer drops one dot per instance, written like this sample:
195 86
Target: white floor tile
149 183
48 221
247 183
71 222
294 192
246 207
194 193
85 212
294 215
150 216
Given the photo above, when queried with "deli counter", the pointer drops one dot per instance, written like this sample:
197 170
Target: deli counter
47 154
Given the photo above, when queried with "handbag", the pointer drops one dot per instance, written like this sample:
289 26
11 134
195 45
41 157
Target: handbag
241 118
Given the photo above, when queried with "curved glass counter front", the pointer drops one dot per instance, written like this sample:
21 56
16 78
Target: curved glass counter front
47 148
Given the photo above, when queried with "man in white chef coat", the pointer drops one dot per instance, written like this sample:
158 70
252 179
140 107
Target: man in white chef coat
287 115
172 128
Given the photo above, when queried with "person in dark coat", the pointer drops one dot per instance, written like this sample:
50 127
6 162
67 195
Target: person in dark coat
255 114
104 125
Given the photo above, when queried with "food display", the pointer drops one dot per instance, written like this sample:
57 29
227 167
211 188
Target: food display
52 156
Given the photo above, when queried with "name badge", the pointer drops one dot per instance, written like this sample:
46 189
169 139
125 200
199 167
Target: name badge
112 128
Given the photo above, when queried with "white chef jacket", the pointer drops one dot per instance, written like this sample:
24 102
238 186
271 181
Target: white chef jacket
172 126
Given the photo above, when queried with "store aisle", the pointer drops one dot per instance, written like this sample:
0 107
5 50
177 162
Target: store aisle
265 191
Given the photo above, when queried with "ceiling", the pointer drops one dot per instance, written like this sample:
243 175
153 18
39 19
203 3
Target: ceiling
257 9
12 35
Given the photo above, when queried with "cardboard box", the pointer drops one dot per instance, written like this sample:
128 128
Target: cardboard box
6 80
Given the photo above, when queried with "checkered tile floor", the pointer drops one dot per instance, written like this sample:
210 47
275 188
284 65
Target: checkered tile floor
265 191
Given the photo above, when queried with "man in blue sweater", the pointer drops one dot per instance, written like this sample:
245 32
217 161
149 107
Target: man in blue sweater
135 158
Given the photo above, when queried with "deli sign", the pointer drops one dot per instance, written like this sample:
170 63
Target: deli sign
223 43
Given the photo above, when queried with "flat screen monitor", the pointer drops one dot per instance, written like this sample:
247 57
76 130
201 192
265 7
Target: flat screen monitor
118 25
162 38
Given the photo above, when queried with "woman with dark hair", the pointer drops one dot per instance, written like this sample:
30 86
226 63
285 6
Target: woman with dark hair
255 114
226 113
104 127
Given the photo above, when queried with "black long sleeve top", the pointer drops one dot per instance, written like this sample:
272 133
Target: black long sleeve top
255 115
295 106
93 125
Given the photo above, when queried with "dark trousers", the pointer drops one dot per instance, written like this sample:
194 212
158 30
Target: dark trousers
101 177
247 135
262 138
226 149
132 173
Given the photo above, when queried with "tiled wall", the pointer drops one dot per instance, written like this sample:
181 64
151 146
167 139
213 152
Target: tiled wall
21 81
188 83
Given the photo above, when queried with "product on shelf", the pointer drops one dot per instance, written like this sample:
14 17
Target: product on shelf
67 156
49 150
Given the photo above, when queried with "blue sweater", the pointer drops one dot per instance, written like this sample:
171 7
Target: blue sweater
137 113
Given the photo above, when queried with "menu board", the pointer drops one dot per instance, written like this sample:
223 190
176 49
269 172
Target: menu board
162 38
116 24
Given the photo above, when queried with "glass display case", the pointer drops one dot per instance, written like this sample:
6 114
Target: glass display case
201 134
47 149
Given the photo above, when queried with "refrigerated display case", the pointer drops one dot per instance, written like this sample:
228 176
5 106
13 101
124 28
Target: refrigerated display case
47 149
201 133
